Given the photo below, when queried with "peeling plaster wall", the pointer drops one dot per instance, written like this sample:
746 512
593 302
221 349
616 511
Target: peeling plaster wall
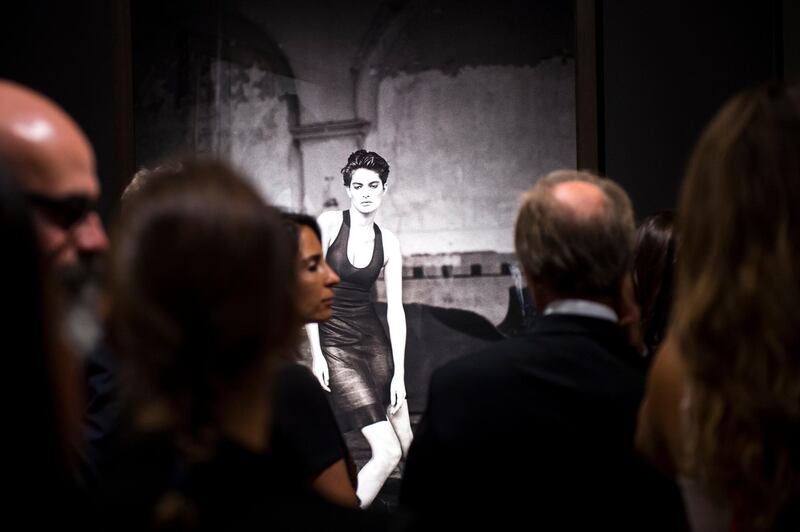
322 161
247 123
463 147
261 144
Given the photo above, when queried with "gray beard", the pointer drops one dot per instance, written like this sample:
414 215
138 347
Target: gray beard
81 324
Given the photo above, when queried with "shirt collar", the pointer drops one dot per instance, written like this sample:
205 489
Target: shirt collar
582 307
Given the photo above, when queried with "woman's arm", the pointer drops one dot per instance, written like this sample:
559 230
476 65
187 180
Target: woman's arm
395 316
319 367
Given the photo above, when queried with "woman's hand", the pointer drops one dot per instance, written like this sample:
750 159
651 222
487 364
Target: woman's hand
319 367
397 393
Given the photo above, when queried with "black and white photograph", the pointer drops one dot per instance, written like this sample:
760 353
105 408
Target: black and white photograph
461 103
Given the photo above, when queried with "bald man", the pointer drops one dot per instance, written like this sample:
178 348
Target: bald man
52 159
53 162
538 430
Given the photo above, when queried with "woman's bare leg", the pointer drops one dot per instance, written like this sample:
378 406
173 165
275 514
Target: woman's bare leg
401 423
386 454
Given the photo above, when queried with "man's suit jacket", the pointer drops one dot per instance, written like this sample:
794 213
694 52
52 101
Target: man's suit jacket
538 428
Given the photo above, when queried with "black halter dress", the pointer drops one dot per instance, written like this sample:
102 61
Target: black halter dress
353 341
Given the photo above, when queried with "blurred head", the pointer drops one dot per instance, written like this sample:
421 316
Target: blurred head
201 284
315 278
143 175
574 234
653 264
738 287
54 165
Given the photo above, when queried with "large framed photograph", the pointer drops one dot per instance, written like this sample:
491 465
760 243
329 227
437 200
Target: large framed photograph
468 102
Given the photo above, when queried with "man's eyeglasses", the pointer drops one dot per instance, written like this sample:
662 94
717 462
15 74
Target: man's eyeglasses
63 212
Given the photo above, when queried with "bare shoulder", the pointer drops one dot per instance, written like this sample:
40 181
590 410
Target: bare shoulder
329 224
391 244
389 238
329 219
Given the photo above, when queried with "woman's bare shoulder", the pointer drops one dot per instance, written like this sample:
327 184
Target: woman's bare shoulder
329 224
391 244
329 218
387 234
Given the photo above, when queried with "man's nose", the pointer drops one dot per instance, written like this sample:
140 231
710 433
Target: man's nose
89 235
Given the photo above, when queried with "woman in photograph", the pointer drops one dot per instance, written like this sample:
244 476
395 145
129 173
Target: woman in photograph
353 358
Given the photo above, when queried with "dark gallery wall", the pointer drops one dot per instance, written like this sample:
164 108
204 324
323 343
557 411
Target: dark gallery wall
790 13
78 53
665 68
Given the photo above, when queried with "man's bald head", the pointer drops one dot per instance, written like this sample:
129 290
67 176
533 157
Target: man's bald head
584 199
53 162
575 233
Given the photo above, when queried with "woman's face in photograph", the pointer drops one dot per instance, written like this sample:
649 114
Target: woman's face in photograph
315 279
366 190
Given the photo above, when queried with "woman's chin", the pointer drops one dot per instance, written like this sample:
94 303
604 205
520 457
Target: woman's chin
366 209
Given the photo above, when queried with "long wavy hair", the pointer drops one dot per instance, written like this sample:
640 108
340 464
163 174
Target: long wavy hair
738 291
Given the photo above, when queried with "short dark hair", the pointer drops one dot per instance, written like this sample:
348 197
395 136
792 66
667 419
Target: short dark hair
293 221
573 255
365 159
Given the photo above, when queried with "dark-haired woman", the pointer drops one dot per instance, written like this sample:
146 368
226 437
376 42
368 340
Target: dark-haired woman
653 271
352 356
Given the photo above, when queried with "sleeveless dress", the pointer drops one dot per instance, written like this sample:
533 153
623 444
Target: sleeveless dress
353 341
